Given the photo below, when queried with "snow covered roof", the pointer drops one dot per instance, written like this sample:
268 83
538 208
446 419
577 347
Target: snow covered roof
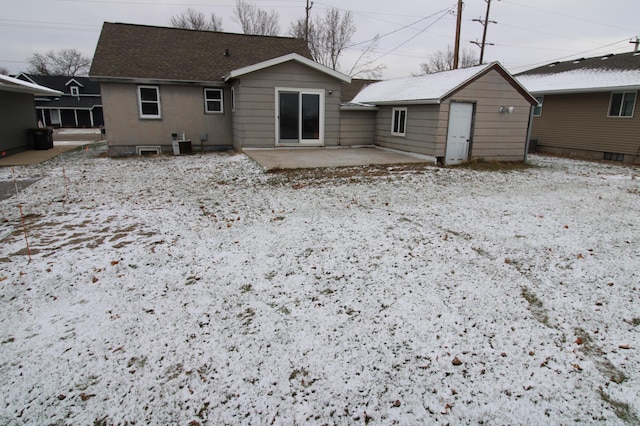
597 74
583 80
430 88
10 84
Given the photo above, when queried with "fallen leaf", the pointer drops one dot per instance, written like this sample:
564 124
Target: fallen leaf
577 367
456 361
94 280
114 262
624 346
3 278
579 341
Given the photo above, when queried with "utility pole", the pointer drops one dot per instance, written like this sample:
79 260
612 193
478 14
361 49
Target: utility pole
636 42
456 50
484 32
306 24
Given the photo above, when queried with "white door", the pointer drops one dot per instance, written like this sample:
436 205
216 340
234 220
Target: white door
459 133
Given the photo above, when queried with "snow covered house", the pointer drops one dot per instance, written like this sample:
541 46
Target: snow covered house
78 105
587 106
471 113
221 90
18 113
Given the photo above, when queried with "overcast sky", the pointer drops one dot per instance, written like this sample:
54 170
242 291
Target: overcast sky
527 33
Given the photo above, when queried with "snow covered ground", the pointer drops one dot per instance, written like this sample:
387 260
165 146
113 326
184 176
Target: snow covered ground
199 290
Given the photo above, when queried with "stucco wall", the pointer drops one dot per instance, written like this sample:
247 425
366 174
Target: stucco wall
182 111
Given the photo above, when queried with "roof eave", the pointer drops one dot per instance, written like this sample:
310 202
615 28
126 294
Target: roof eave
135 80
585 90
286 58
407 102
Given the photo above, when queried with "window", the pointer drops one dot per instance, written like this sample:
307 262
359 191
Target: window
398 121
149 102
613 156
213 101
75 91
622 104
537 110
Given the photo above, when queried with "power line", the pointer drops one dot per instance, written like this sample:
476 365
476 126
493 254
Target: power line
411 38
402 28
567 16
572 55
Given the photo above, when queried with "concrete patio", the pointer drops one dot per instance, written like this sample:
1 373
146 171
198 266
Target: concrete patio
307 158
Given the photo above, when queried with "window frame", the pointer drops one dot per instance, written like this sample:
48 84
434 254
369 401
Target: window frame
158 102
401 128
619 115
207 100
537 109
75 91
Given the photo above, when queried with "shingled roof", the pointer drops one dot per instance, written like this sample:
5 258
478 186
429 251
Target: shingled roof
127 51
602 73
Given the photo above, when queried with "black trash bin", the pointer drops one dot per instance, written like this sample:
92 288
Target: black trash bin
41 138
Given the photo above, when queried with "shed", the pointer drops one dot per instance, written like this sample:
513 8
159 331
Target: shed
18 113
480 112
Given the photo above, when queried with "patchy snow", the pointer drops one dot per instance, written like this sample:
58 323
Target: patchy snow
197 289
580 80
90 131
430 87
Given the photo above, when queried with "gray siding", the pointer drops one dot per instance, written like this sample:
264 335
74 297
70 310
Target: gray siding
357 127
420 132
182 111
254 120
17 114
578 125
496 136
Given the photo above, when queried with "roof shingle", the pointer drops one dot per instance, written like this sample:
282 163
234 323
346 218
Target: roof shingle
144 52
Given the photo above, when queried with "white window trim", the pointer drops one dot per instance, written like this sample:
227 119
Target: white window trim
221 100
539 105
149 116
633 110
75 91
393 121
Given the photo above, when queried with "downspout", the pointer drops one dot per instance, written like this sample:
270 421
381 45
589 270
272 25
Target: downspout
526 143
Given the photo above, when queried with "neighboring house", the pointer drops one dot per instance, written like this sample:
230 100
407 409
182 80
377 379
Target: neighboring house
17 113
455 116
587 107
220 90
79 104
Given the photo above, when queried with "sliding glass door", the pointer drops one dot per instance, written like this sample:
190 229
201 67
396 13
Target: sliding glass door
299 117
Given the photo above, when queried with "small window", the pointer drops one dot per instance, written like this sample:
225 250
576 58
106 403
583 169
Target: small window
622 104
537 110
399 121
613 156
149 102
213 101
75 91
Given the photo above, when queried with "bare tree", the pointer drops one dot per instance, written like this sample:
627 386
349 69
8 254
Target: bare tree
254 20
328 36
194 20
4 71
69 62
443 60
